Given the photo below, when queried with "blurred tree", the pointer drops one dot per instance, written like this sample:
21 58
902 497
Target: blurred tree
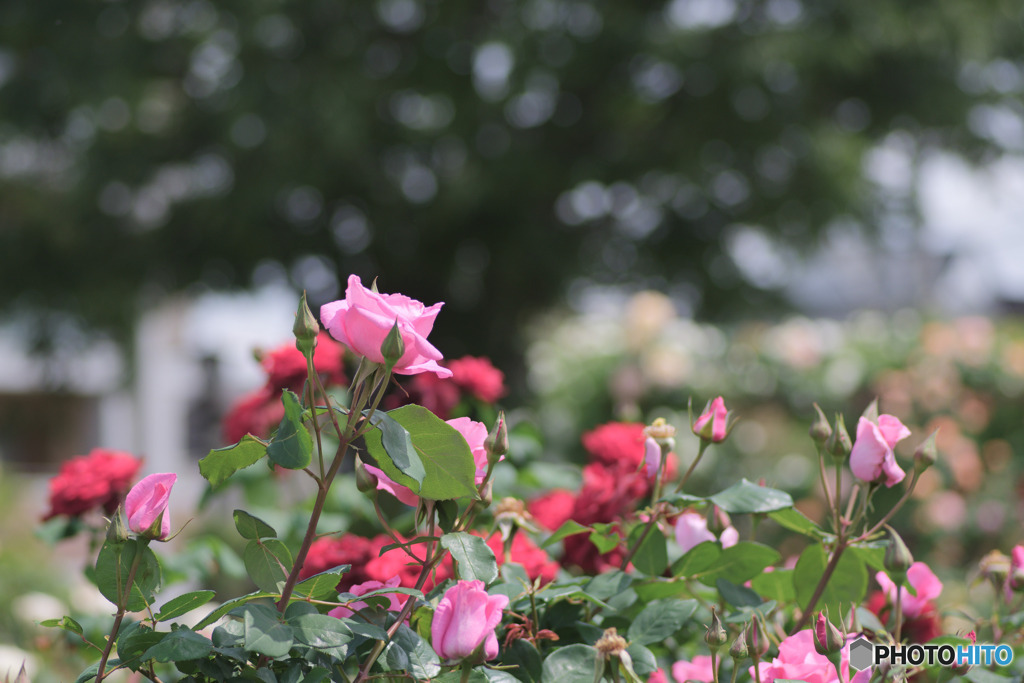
488 154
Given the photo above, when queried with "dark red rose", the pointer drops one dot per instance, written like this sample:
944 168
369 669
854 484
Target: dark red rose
536 562
553 508
257 413
286 366
478 377
98 480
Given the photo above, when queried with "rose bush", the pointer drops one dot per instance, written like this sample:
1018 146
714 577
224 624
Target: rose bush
609 573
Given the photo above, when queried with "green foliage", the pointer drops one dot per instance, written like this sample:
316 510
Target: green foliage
117 563
268 563
221 463
847 586
292 446
251 527
474 557
449 470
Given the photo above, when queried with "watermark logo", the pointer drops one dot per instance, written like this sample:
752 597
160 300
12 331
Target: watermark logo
863 654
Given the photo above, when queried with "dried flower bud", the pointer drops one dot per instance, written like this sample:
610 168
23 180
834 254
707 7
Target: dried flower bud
716 635
820 429
926 454
611 643
661 431
995 567
897 558
839 444
306 328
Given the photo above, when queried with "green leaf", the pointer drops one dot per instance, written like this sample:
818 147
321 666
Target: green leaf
661 589
230 605
847 585
367 630
423 661
608 584
775 585
220 463
91 672
134 640
659 620
979 675
113 567
268 563
65 623
322 632
524 656
740 562
183 604
568 528
737 596
251 527
475 558
644 661
746 497
292 446
794 520
264 632
682 499
605 538
449 469
179 646
324 585
572 664
872 555
697 559
652 555
397 443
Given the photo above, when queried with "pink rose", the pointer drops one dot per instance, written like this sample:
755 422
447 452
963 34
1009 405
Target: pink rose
1015 576
712 423
697 669
922 580
798 661
466 618
364 318
692 530
366 587
652 457
872 454
146 506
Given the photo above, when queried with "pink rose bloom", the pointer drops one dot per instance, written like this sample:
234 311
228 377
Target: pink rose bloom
692 530
473 432
366 587
872 454
922 580
718 416
658 677
364 318
798 661
698 669
466 618
652 457
146 505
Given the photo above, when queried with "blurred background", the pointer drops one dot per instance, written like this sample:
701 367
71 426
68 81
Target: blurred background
623 204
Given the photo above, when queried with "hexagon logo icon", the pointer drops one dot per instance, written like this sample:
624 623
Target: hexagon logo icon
862 654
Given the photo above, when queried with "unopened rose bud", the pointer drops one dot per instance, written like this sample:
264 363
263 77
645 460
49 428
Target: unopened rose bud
393 346
712 425
496 443
306 328
739 649
926 454
365 481
820 429
757 639
718 520
961 668
716 635
827 638
897 558
487 492
838 444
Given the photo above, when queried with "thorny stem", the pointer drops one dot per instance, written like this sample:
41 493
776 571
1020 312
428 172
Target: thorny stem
903 499
122 605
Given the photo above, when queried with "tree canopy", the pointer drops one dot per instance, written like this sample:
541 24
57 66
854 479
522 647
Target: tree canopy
493 154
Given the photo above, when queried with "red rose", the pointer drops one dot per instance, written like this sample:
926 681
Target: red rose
256 413
479 377
524 551
553 509
97 480
286 366
329 551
